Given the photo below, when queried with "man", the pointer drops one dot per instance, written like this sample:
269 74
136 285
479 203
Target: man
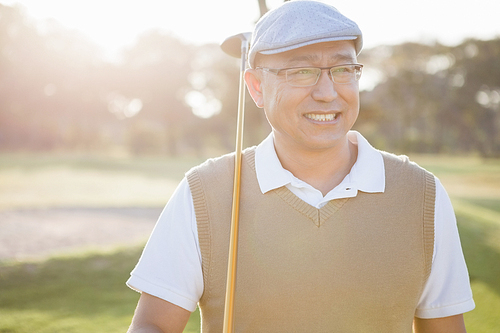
335 236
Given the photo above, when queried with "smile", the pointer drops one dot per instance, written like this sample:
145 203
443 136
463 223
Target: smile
321 117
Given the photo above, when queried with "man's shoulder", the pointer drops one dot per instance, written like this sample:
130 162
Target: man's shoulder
394 158
400 170
400 161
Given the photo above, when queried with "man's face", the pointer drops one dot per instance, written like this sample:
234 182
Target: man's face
312 118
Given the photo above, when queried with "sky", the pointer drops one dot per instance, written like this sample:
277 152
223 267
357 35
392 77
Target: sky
115 24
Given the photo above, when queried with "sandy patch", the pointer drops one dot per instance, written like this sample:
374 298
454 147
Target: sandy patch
39 233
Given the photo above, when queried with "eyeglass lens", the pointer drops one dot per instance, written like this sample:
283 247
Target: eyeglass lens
310 76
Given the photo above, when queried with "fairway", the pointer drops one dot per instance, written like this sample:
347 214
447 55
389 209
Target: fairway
45 180
86 292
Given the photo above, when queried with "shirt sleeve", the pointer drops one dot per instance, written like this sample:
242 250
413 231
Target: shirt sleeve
170 265
447 291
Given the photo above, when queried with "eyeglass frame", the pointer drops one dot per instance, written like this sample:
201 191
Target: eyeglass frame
277 71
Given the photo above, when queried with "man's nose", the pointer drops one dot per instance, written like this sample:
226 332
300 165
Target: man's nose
324 90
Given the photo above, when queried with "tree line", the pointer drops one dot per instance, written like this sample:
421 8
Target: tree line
435 98
169 97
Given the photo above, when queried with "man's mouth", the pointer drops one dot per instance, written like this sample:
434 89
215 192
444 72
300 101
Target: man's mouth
321 116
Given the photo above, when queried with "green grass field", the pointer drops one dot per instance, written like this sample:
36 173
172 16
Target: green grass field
87 292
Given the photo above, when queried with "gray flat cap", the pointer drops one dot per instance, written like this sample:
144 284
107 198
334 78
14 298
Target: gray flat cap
299 23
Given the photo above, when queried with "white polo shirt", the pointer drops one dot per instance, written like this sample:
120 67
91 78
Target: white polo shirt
170 266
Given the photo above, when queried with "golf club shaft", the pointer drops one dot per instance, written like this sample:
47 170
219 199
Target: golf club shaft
233 241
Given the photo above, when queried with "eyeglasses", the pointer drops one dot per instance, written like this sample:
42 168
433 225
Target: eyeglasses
309 76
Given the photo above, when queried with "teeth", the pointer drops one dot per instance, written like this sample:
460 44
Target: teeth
321 117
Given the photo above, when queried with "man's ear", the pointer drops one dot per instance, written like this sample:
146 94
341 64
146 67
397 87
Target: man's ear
253 80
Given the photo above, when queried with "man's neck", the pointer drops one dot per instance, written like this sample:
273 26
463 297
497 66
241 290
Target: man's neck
322 169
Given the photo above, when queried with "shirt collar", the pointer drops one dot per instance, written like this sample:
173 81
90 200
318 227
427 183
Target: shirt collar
367 174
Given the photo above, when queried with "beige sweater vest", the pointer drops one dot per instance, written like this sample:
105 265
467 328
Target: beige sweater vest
355 265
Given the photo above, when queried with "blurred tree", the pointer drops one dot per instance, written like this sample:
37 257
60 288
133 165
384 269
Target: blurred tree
475 103
45 83
429 98
156 70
